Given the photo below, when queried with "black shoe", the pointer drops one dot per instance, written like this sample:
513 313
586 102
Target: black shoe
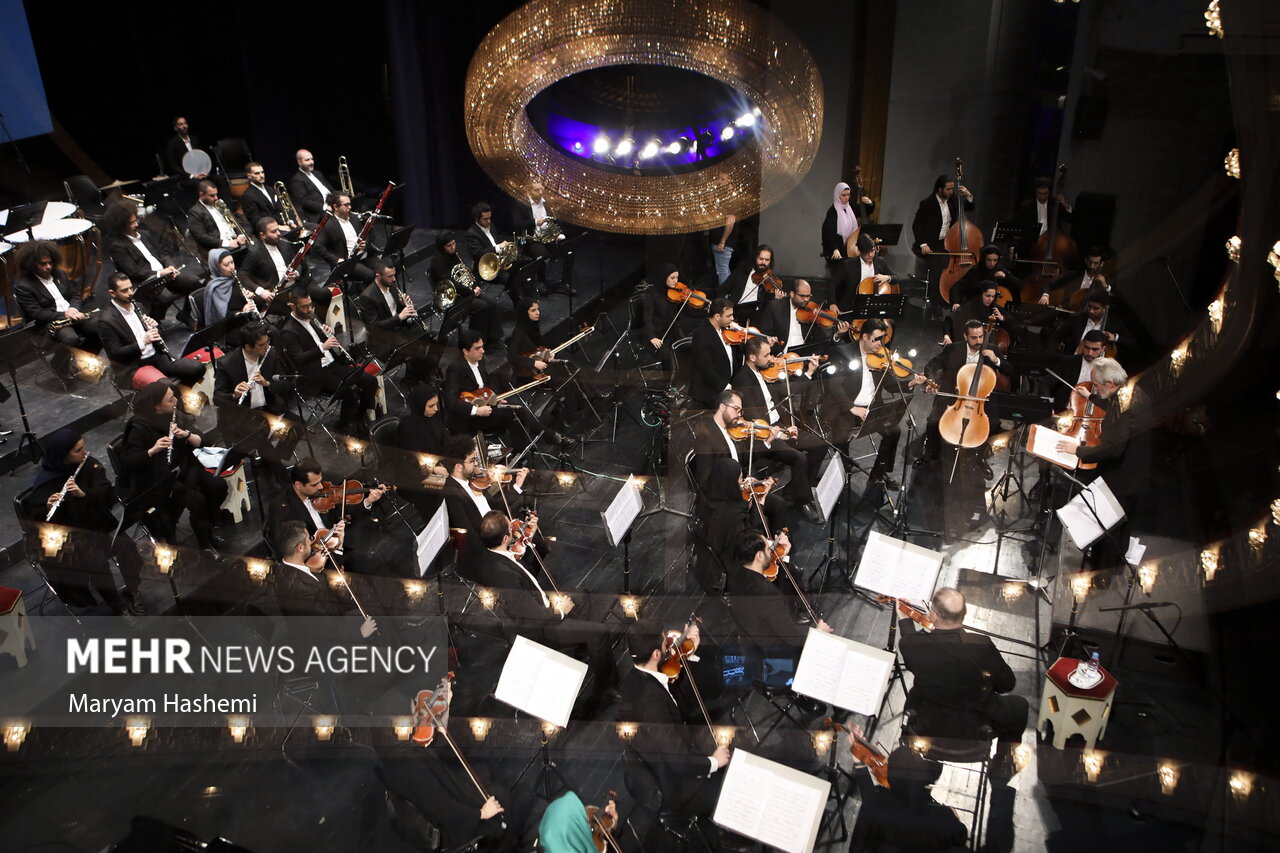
134 603
987 473
810 707
885 481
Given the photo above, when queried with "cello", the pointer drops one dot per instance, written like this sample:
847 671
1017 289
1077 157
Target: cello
962 243
1053 250
965 422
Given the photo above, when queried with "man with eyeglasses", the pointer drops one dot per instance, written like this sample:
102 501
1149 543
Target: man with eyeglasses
340 240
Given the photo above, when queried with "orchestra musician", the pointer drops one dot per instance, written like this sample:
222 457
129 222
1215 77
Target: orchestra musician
944 368
664 321
839 223
316 354
294 503
780 320
991 267
177 147
480 238
140 256
467 506
526 337
1085 281
132 341
1096 316
259 200
981 306
466 372
390 318
225 295
762 609
869 264
45 295
208 227
340 240
527 215
152 446
480 312
1033 213
743 286
303 591
714 360
417 451
688 774
933 218
244 392
1078 368
520 594
904 815
308 188
266 266
77 484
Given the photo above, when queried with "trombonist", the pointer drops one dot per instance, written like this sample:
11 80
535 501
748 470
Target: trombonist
210 227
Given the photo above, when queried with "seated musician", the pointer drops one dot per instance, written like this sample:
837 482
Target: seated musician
981 306
132 340
521 595
944 368
143 258
340 240
961 680
245 394
779 319
417 451
266 266
904 815
467 372
207 225
301 588
744 286
764 401
295 503
1078 369
670 736
391 320
154 444
259 200
763 609
308 188
856 393
527 215
667 321
526 337
481 239
45 295
868 265
990 268
564 828
470 303
714 361
1071 289
87 498
225 295
1096 316
316 354
469 506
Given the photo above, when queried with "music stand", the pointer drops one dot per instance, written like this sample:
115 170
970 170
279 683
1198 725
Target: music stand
1013 233
12 350
397 242
567 251
889 233
888 306
340 271
618 518
206 338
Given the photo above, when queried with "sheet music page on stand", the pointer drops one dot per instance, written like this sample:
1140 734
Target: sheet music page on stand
830 486
540 681
899 569
1076 516
1043 442
432 538
846 673
622 510
771 802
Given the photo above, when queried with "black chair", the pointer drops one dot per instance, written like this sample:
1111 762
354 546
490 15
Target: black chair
84 194
972 747
652 810
233 156
382 435
195 305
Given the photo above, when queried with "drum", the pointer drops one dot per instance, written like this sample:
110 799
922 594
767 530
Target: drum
196 162
77 241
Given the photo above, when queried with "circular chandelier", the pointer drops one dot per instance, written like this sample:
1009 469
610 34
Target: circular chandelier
731 41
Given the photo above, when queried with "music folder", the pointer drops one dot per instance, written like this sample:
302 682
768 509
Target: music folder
1044 442
771 802
845 673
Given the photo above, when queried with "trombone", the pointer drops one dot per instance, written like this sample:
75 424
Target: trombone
234 223
344 178
293 222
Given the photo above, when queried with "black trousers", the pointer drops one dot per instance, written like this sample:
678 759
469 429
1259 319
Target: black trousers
199 493
82 334
188 371
358 395
480 313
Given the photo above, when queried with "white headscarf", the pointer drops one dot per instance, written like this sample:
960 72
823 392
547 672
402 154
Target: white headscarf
846 222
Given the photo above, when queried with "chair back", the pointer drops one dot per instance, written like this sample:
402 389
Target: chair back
233 154
195 302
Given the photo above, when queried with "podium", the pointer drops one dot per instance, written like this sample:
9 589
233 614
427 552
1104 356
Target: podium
1075 710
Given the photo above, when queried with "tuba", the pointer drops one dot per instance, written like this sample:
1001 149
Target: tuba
293 222
490 263
344 178
233 222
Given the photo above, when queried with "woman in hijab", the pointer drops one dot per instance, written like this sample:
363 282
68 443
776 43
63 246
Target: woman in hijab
660 312
223 296
471 304
147 456
527 337
564 827
840 222
85 508
420 433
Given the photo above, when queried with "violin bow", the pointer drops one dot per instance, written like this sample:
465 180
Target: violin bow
693 684
532 548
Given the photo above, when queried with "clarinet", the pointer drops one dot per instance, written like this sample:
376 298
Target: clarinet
150 323
65 488
173 425
251 383
328 332
404 299
249 298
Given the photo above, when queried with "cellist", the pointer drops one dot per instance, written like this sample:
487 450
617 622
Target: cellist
934 217
944 367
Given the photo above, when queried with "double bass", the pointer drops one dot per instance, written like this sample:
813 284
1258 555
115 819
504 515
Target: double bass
963 241
851 245
1053 250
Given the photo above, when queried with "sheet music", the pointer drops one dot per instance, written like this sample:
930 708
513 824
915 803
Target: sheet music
1043 442
622 511
899 569
1079 520
830 486
771 802
540 681
432 538
846 673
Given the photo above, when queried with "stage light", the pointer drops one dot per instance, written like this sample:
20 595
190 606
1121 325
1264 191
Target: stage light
745 120
1232 163
15 735
601 145
165 557
1233 249
488 598
1178 358
480 727
137 730
549 730
1273 258
414 590
1092 762
1168 775
1217 309
650 149
1147 573
52 538
403 728
324 728
1258 537
625 147
855 365
725 735
1080 585
238 728
630 606
821 742
257 569
577 147
1022 756
911 353
1213 19
726 134
673 147
626 731
1209 562
1275 511
1241 784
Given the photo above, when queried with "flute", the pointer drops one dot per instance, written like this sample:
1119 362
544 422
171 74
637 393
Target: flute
66 487
173 425
251 383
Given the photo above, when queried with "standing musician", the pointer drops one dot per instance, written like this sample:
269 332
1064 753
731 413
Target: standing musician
258 199
46 295
933 218
266 266
714 360
470 304
1127 480
140 256
177 147
315 353
991 267
838 224
468 506
1033 212
302 590
208 227
864 389
944 369
870 265
981 306
132 340
467 373
761 608
340 240
244 393
152 445
76 483
761 400
308 188
481 239
745 286
667 737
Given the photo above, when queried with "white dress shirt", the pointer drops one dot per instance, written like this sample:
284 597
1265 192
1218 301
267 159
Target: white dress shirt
220 222
139 331
349 232
795 332
867 392
868 269
750 292
1042 215
728 353
477 498
306 571
60 302
946 217
151 259
486 232
282 269
326 357
728 439
539 209
1086 371
315 181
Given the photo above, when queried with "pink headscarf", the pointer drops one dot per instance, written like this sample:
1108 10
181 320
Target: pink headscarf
846 222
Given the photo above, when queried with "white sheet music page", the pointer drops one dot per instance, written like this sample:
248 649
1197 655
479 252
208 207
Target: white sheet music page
771 802
1078 514
1043 442
830 486
898 569
622 510
540 681
432 538
848 674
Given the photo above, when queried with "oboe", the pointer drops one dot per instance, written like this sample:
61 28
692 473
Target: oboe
251 383
173 426
66 487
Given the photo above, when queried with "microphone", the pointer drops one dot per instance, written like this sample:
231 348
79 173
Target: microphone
285 376
372 215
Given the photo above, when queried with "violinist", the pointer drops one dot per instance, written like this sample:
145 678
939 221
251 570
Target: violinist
297 503
520 593
904 815
714 360
746 286
564 827
665 321
468 505
934 217
1100 314
721 467
762 609
779 319
990 268
1071 288
686 762
301 588
944 369
766 402
982 307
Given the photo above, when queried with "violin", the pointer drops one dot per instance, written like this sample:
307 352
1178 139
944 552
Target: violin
602 824
758 489
431 709
814 313
682 294
777 551
735 334
676 647
349 492
481 480
1086 422
962 242
866 752
793 362
906 611
522 531
742 429
902 367
767 281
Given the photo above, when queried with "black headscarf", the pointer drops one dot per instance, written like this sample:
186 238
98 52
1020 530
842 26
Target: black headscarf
56 445
145 402
531 329
443 239
664 271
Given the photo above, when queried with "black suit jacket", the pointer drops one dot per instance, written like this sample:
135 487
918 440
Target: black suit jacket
953 668
970 283
1026 215
129 260
117 338
230 370
175 149
255 205
458 378
258 268
299 595
303 353
762 610
522 215
288 507
754 404
464 513
518 598
306 197
204 229
928 222
711 370
36 302
331 243
663 739
849 283
477 244
944 366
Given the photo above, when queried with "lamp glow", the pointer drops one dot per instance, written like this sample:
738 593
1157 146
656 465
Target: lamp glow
725 735
403 728
1209 562
238 728
601 145
166 555
480 727
15 735
1233 249
626 731
52 538
1092 762
726 134
257 569
1232 163
137 730
324 728
1147 576
1241 784
1167 773
1179 357
821 742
